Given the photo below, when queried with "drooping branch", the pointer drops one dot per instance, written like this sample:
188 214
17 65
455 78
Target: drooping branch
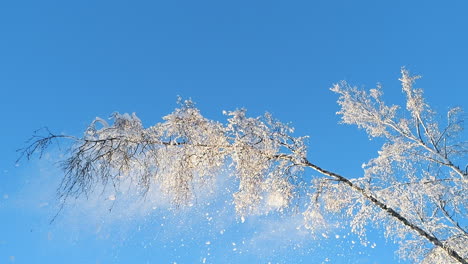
38 143
390 211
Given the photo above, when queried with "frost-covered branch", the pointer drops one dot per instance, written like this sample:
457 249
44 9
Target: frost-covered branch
416 151
414 188
390 211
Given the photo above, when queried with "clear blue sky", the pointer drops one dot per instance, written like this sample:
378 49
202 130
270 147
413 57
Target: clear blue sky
62 63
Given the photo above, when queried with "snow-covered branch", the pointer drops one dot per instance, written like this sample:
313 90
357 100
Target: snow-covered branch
414 188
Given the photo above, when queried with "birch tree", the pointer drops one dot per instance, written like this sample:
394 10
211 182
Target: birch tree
414 190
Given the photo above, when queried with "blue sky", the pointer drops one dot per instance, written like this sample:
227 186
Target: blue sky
63 63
